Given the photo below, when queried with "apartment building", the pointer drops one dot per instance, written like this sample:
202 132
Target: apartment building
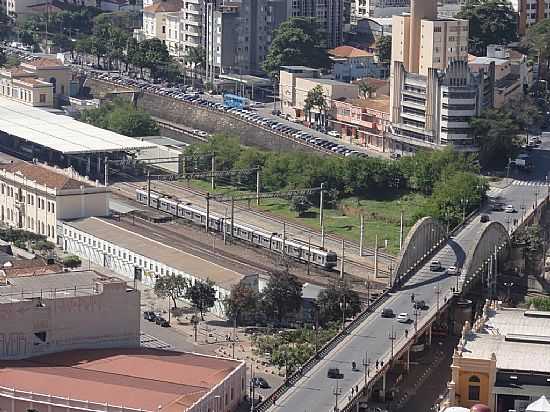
34 197
531 12
433 94
379 8
329 14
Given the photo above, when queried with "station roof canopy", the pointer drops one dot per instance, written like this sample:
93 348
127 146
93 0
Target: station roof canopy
61 133
247 79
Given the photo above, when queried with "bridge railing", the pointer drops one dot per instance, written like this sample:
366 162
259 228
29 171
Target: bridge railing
320 354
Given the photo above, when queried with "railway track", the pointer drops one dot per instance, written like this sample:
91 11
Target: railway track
369 267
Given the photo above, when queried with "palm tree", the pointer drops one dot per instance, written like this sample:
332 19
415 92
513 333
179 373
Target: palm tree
197 57
365 89
316 99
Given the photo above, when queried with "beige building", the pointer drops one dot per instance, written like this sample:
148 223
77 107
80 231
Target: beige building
34 197
66 311
432 94
161 20
502 361
296 82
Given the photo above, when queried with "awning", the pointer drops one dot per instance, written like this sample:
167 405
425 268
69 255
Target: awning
523 390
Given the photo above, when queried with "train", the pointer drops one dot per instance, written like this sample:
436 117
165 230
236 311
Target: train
293 248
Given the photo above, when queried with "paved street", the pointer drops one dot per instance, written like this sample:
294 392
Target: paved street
314 392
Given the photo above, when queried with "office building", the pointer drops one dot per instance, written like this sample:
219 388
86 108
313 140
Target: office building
502 361
328 13
55 312
35 197
433 94
115 380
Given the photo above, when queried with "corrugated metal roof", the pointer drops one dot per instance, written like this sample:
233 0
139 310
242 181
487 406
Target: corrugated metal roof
61 133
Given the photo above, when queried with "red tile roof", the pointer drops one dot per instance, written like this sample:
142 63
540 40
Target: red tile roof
137 378
349 51
164 6
43 175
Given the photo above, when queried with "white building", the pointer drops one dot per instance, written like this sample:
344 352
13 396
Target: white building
35 197
379 8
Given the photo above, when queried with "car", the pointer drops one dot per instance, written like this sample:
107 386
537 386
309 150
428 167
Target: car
387 313
333 133
149 315
484 218
260 382
435 266
453 270
403 317
510 209
420 304
162 322
334 373
497 207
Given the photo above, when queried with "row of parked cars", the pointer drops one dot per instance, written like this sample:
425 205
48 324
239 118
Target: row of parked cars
190 95
157 318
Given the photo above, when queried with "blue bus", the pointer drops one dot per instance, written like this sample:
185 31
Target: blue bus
233 101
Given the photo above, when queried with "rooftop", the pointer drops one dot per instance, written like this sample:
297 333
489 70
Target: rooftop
524 352
108 230
164 6
61 133
43 175
331 82
379 103
486 60
144 379
43 63
348 52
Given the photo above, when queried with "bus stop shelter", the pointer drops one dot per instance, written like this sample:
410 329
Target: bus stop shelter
247 85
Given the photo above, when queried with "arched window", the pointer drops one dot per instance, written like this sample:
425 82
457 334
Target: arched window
474 388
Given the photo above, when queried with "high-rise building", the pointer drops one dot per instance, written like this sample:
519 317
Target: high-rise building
329 14
531 12
433 94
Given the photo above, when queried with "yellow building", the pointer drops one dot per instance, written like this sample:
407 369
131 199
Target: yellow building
503 360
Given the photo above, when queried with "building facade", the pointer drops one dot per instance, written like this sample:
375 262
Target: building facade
379 8
433 94
329 14
34 197
350 63
65 311
531 12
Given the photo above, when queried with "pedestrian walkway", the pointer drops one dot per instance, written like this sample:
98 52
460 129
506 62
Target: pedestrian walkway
516 182
149 341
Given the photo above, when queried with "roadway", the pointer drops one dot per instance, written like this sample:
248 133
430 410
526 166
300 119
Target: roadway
314 391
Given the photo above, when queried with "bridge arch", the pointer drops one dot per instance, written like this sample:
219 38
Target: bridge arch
493 237
426 235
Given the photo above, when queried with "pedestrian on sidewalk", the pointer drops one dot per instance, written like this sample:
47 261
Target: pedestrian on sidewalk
406 333
381 363
412 297
376 364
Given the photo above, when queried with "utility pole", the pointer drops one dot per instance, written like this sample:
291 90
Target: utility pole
308 254
284 240
232 216
361 235
392 337
343 260
321 201
401 231
322 236
336 392
212 183
258 187
148 187
106 172
376 257
207 211
366 366
437 292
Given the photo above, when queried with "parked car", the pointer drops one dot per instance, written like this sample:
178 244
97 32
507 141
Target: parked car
150 316
453 270
387 313
435 266
162 322
333 133
260 382
484 218
403 317
420 304
334 373
510 209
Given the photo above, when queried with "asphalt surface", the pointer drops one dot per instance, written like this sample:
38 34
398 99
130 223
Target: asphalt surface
315 392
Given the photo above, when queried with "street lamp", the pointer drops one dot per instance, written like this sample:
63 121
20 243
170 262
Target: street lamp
392 337
438 292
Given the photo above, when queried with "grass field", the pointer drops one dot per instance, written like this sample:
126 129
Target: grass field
381 214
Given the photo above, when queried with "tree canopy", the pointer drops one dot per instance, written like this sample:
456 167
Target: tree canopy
121 117
281 296
297 41
171 286
202 295
335 299
490 22
383 48
243 299
538 38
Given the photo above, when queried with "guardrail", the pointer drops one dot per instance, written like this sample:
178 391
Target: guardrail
320 354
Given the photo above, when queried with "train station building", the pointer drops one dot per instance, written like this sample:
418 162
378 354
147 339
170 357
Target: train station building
33 133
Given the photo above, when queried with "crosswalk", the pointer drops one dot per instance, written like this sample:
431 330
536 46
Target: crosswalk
516 182
149 341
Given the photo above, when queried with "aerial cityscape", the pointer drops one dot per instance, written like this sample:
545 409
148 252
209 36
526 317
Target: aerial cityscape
274 206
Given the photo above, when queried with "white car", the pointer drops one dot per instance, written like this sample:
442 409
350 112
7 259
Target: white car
403 317
333 133
453 270
509 209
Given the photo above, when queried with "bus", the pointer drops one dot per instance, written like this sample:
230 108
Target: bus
232 101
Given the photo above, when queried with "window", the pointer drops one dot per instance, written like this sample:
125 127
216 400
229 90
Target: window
42 98
473 388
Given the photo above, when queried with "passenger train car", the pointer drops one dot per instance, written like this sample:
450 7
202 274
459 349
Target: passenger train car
296 249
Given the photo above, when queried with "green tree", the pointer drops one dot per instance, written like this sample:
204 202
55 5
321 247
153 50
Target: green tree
282 296
490 22
383 49
155 55
62 42
297 41
365 89
538 38
171 286
526 113
71 261
243 299
3 58
496 133
337 299
316 99
196 57
300 204
202 295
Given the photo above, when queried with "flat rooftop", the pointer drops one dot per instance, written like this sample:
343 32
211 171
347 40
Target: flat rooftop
61 133
527 350
198 267
145 379
53 285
